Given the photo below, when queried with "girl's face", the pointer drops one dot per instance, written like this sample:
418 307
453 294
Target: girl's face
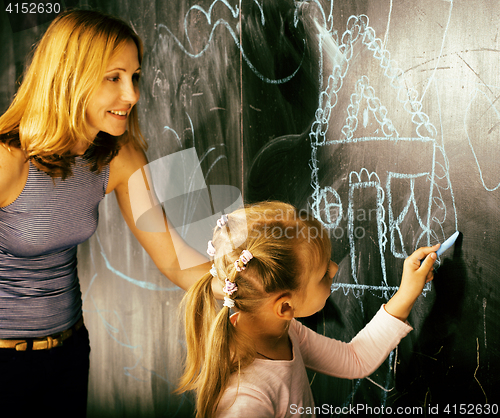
111 104
316 289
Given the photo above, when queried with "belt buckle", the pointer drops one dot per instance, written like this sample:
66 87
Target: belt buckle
50 342
23 346
46 343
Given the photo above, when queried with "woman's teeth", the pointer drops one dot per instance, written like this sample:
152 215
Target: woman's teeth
118 112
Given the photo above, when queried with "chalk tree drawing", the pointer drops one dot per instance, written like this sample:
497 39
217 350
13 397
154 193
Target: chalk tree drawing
433 221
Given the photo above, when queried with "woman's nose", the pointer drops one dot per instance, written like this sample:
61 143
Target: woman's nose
130 93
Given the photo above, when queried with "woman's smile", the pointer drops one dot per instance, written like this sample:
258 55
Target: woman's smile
111 104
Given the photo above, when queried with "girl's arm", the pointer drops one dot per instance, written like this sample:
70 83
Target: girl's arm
358 358
371 346
159 245
415 275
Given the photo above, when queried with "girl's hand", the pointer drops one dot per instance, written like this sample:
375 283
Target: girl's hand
416 273
418 269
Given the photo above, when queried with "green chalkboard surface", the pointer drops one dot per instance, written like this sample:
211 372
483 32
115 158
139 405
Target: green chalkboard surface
380 117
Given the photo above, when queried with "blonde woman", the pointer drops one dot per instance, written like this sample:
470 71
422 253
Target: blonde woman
273 264
70 136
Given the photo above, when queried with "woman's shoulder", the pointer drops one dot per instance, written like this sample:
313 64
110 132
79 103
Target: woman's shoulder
13 173
129 159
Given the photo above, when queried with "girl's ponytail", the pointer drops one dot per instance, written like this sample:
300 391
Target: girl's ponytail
217 367
200 311
214 348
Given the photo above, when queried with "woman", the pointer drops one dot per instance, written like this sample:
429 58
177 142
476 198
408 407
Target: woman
70 136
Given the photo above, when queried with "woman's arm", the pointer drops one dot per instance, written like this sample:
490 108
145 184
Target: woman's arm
13 174
159 245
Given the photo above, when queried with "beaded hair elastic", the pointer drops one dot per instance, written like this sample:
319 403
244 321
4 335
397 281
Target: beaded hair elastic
229 289
213 271
241 263
228 302
211 249
220 223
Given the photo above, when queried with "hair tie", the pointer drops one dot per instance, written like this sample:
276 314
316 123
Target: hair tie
230 287
228 302
211 249
222 221
213 271
245 257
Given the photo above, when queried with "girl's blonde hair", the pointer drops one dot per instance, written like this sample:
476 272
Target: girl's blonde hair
47 117
285 245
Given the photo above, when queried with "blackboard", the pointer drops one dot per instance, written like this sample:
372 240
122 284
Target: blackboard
392 141
402 152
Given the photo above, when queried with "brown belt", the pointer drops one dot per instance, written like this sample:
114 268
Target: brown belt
44 343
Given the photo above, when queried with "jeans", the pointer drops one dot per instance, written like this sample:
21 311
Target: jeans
51 382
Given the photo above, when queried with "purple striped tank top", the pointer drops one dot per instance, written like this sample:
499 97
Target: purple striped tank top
39 233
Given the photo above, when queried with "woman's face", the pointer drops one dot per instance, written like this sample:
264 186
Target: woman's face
111 104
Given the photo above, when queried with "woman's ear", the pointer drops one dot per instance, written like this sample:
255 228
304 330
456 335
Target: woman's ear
283 308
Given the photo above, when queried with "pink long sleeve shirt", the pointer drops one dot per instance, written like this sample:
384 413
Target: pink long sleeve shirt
280 388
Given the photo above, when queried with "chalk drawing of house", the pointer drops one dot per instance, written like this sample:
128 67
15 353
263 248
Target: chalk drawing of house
392 191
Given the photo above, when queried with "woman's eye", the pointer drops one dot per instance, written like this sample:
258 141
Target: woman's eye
136 77
113 79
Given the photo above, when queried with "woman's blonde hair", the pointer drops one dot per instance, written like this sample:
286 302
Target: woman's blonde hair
285 245
47 117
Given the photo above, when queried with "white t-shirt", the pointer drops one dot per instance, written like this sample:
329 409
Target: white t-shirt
280 388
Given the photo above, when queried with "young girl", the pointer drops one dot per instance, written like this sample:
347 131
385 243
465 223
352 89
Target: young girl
274 266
